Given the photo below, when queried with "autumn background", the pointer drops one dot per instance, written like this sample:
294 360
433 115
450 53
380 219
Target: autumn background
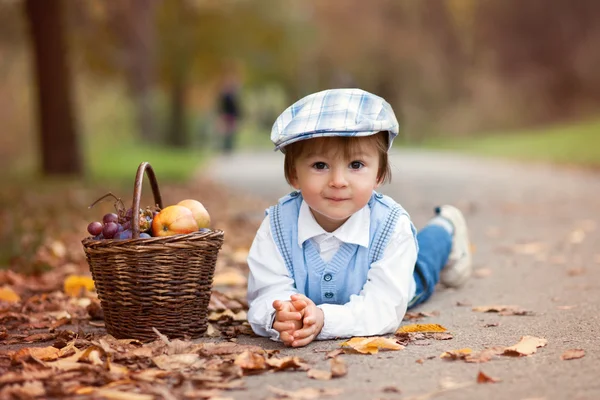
89 89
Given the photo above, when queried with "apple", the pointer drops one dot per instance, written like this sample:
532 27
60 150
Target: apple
174 220
200 214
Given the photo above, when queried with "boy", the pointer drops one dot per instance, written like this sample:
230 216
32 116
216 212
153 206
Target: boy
335 258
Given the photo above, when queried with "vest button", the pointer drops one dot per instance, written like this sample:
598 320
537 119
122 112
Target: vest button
328 295
294 194
327 277
379 195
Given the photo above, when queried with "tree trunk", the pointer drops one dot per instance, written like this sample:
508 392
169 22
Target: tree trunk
59 142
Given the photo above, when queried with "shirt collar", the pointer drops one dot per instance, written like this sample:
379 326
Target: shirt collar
355 230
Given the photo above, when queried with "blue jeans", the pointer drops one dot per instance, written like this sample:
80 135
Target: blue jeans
435 244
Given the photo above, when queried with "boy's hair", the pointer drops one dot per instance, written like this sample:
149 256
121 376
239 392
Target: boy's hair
346 144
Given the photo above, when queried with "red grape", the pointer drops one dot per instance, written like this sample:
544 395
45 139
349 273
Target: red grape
94 228
110 217
110 229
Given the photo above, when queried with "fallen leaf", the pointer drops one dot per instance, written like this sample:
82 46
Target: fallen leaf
319 374
577 236
576 271
75 285
279 364
484 355
421 328
503 310
230 278
482 272
41 353
8 295
572 354
483 378
308 393
529 248
176 362
419 315
391 389
338 367
371 345
250 361
526 346
334 353
459 354
565 307
112 394
491 325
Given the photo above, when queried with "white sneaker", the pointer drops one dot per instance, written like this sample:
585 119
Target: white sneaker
459 266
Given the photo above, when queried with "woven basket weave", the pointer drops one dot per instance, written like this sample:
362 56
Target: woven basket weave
159 282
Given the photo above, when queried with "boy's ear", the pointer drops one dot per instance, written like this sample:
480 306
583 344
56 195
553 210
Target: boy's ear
294 179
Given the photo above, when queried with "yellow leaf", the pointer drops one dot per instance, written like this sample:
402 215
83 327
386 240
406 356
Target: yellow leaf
371 345
456 354
74 284
421 328
9 295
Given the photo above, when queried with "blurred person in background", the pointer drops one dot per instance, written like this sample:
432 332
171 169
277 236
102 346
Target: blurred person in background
229 111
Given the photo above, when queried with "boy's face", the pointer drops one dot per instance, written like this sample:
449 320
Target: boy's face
335 187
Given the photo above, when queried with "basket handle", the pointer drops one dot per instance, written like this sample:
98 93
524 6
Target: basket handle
137 196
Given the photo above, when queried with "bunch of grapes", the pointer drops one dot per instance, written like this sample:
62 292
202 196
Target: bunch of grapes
114 226
118 225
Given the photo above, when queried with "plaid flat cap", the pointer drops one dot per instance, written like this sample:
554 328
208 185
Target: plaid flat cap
334 112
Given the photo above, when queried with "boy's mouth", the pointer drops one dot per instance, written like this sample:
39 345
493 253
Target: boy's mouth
336 198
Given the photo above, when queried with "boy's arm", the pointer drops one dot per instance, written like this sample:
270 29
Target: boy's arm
382 303
268 281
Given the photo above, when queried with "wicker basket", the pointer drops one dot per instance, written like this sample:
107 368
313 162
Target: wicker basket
160 282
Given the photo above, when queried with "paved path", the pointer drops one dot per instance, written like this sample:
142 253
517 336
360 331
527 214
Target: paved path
535 228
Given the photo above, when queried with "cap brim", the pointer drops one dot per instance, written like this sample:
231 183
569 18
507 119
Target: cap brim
313 135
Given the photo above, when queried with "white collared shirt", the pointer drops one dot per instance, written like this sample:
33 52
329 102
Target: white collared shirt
379 307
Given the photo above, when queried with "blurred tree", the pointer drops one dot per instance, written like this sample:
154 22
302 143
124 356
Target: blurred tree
133 23
59 142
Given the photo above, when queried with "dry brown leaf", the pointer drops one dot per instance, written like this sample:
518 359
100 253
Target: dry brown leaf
484 355
503 310
8 295
75 285
334 353
421 328
482 272
305 393
218 316
250 361
409 316
526 346
230 278
40 353
391 389
112 394
459 354
319 374
279 364
483 378
338 367
175 362
371 345
224 348
572 354
576 271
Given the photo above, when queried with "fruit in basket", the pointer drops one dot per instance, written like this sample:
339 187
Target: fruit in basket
110 217
110 229
95 228
198 210
174 220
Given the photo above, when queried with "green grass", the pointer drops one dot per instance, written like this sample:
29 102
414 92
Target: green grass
574 144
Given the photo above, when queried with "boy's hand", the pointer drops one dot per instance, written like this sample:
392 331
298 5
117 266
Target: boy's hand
288 318
312 322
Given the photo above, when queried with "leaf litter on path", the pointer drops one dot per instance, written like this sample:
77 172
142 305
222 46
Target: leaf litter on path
572 354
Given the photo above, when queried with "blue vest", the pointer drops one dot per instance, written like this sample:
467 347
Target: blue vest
346 273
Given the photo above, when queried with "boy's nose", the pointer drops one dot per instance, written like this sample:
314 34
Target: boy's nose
338 178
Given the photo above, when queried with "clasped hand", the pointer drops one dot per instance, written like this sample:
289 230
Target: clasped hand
298 320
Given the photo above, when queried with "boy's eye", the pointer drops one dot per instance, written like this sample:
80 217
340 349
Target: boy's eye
319 165
356 165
